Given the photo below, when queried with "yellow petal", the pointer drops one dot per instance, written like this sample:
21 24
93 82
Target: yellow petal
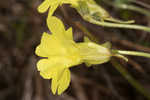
46 75
52 9
55 69
56 26
43 49
55 79
64 81
69 34
50 46
72 2
52 64
41 52
45 64
44 6
54 84
48 67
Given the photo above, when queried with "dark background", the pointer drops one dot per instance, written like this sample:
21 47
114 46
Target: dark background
21 27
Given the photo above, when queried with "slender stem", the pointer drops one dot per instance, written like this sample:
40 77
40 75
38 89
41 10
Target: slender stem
134 8
130 7
115 25
134 53
130 79
140 3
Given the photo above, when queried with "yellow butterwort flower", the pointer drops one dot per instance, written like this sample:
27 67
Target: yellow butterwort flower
60 52
53 4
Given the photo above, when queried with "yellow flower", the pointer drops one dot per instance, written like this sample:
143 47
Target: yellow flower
60 53
53 4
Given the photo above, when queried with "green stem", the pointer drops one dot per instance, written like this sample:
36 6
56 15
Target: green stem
134 8
134 53
131 80
115 25
140 3
130 7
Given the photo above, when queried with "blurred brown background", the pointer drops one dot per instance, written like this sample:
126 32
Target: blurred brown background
21 27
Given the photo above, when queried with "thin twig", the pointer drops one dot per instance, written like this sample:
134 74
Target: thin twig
132 81
137 66
130 44
110 84
89 82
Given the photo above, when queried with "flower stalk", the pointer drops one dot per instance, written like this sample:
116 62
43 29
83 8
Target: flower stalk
133 53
